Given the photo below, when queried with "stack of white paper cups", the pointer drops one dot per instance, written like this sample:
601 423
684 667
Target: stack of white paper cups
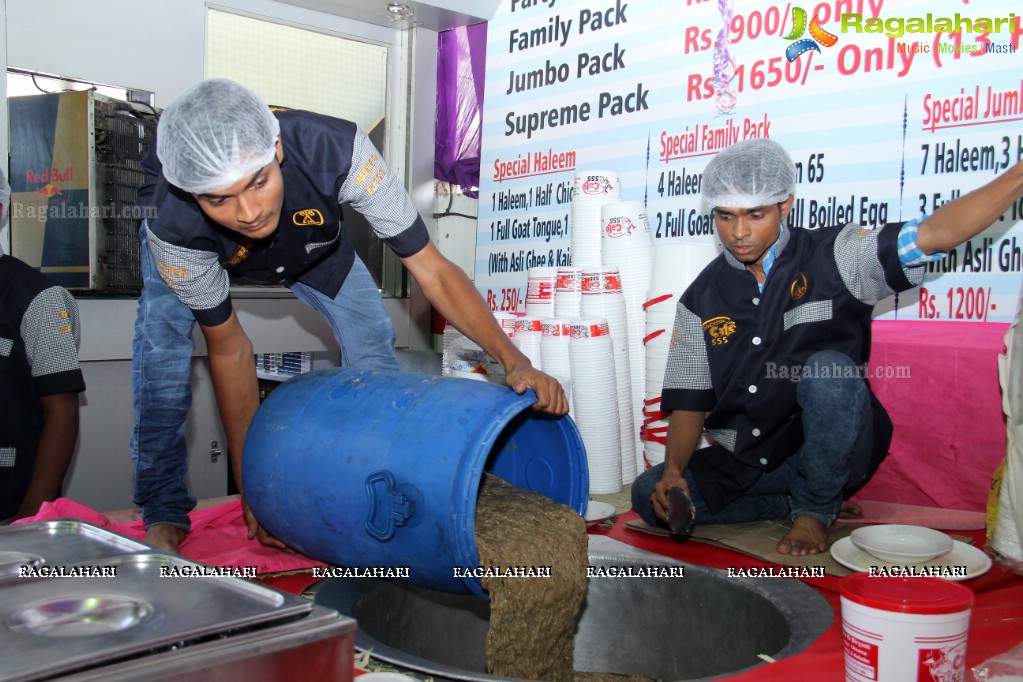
626 244
595 405
540 286
528 334
675 266
660 317
568 292
554 352
602 297
592 189
507 322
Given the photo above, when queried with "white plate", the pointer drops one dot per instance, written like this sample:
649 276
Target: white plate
902 544
597 512
972 561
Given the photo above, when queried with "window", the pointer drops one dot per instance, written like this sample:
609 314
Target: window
300 68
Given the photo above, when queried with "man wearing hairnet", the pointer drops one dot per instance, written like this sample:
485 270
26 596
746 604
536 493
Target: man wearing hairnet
238 190
770 347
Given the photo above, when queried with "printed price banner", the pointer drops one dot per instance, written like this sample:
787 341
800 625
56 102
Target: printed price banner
888 108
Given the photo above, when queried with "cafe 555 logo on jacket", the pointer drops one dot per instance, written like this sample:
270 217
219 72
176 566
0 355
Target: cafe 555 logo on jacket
719 329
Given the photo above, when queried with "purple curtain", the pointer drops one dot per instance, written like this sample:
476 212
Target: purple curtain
461 61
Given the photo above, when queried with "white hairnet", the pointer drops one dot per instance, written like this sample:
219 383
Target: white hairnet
749 174
214 134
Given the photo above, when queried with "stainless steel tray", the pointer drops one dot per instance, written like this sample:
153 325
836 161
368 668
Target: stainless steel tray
320 647
57 543
53 625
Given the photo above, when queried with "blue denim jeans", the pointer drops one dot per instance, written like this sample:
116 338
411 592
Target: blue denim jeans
161 376
835 455
361 324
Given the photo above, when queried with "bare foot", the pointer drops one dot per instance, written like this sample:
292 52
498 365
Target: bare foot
165 536
850 510
807 536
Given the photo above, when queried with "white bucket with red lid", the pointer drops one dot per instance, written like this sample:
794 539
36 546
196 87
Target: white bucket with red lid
904 629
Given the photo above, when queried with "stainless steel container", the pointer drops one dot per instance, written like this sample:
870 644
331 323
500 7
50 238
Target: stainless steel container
57 543
131 613
317 647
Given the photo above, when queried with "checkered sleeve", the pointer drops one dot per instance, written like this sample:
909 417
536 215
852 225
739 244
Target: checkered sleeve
862 266
910 254
687 381
196 276
50 330
377 193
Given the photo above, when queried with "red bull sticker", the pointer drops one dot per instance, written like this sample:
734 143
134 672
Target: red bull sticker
49 190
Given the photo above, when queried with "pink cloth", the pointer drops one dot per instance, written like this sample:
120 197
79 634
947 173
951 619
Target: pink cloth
218 536
949 427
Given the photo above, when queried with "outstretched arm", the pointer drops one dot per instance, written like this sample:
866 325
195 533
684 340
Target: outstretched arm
969 215
233 370
455 297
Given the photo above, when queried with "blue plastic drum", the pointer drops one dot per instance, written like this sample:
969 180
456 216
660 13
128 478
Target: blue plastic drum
375 469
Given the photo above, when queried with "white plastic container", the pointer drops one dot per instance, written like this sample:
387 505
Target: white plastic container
904 629
540 287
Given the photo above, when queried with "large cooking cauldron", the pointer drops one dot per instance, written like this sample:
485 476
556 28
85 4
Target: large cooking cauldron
701 626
